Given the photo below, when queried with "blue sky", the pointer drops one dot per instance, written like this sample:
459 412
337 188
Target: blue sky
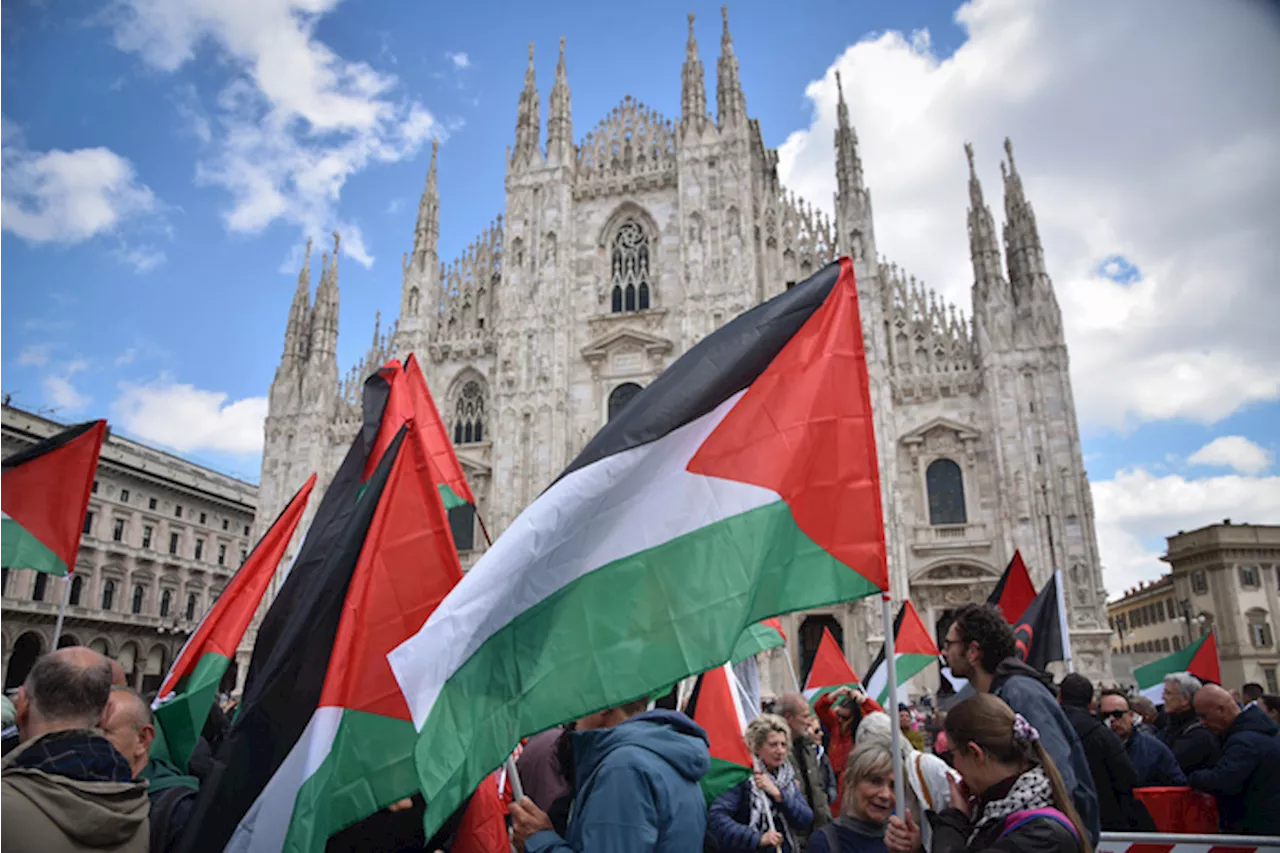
165 160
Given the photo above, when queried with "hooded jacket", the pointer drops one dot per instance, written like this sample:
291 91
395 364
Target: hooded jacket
637 788
70 791
1027 692
1246 778
1114 776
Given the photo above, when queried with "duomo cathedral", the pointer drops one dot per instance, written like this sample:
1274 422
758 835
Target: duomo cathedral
620 249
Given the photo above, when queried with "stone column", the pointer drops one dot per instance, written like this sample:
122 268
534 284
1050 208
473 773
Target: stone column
242 672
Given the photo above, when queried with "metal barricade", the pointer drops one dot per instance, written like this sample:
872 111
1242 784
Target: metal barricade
1159 842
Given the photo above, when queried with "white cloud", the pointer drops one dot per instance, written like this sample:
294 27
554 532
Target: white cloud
68 196
62 395
1235 452
142 258
1137 508
296 120
127 357
35 355
189 419
460 60
1128 150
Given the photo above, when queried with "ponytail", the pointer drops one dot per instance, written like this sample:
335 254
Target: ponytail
1061 796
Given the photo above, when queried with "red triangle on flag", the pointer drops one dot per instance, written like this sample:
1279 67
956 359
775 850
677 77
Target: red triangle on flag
717 712
830 667
912 637
1204 665
434 436
776 624
1016 592
483 828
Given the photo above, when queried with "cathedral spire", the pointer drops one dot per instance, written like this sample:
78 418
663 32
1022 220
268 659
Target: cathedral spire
1024 257
528 123
731 104
693 84
324 315
297 333
848 163
559 118
984 249
426 234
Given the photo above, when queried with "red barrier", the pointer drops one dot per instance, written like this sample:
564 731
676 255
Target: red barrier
1180 810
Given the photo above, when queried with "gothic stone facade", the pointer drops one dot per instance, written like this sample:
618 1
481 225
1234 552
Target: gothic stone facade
618 252
162 537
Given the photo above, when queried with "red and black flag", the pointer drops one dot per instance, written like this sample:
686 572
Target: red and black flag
1015 592
46 490
1039 630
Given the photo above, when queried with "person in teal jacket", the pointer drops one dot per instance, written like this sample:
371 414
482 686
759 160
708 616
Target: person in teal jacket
635 776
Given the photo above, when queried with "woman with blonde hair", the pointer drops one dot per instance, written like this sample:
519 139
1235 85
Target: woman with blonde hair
1019 802
866 823
928 778
767 809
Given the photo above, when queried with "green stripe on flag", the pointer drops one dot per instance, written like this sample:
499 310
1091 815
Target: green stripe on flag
588 642
907 666
182 718
757 638
20 550
450 497
722 776
368 767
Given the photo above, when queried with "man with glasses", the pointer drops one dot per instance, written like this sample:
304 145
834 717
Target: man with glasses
1153 761
1114 777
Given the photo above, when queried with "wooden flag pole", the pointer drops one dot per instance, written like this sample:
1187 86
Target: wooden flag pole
62 609
899 787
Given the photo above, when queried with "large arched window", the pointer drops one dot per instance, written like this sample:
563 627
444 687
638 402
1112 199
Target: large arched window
42 584
137 598
166 600
108 594
629 268
620 396
77 588
946 492
468 414
191 607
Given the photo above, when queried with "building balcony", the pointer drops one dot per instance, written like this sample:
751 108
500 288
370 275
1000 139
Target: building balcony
929 539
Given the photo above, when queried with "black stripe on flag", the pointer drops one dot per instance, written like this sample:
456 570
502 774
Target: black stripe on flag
50 444
276 711
716 368
879 661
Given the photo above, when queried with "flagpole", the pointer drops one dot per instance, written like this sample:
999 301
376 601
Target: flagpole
786 653
517 789
899 781
1062 622
62 609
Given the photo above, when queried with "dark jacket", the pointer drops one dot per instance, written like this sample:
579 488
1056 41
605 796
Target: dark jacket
729 818
849 836
1027 692
809 773
1193 745
539 768
1114 776
70 791
637 788
1246 778
1153 760
173 797
951 832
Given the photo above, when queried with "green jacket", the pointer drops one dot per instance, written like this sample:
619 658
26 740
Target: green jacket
804 759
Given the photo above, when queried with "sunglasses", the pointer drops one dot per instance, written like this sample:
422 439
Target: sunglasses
1115 715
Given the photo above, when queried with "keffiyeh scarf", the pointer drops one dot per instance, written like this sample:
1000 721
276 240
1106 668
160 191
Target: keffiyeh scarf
762 804
1031 791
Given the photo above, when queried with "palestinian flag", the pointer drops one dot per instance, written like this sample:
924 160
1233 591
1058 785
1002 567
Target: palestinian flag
324 738
714 706
913 650
1015 592
44 492
188 691
760 637
1039 632
830 669
1199 658
742 483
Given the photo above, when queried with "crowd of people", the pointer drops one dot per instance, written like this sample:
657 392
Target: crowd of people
1022 764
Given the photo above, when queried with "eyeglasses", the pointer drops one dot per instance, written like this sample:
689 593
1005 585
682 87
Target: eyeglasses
1115 715
946 643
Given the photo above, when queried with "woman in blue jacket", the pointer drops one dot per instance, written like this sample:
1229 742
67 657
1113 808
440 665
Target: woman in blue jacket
765 810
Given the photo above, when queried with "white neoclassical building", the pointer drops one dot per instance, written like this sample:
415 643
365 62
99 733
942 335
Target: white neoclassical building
620 249
161 539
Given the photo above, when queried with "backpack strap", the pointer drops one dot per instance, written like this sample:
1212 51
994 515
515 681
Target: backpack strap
163 805
1018 819
924 787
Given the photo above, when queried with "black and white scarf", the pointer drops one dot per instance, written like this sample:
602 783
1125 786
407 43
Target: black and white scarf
1031 791
762 804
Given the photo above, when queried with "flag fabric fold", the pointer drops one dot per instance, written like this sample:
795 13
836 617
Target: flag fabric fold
741 484
44 493
1014 592
1199 658
1039 630
714 705
760 637
830 669
913 650
191 685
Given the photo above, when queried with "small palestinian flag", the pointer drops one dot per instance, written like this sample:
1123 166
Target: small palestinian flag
830 670
1015 592
913 650
324 738
1199 658
714 706
760 637
189 690
741 484
45 492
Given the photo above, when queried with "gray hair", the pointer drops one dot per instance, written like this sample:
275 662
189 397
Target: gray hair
869 758
62 691
1185 683
141 710
877 728
761 727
